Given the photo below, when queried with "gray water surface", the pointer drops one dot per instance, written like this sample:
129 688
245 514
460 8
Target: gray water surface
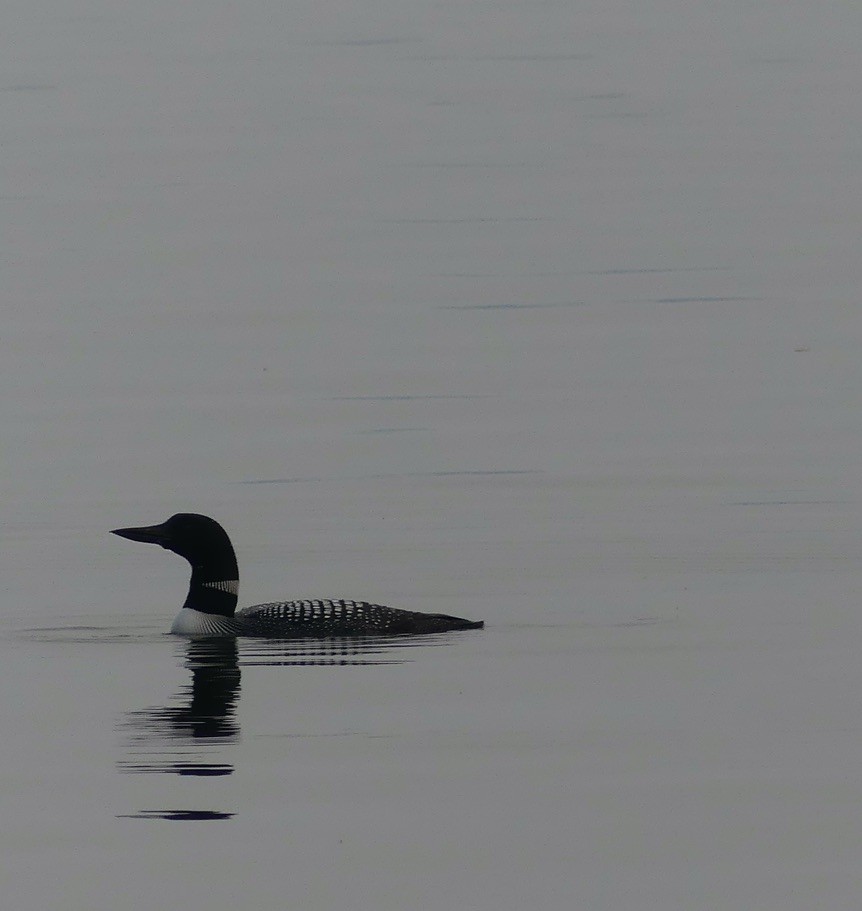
542 314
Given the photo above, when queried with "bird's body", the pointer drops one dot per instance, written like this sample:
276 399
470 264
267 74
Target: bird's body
210 606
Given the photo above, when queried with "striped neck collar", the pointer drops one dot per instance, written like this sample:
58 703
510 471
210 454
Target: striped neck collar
212 595
231 586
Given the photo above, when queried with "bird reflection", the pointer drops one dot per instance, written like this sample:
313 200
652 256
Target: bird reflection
189 736
179 738
349 650
184 737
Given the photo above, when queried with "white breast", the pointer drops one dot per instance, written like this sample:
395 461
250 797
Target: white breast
190 622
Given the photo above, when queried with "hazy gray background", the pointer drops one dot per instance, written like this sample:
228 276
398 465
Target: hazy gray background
540 313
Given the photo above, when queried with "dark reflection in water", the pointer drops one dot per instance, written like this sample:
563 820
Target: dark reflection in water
178 738
192 734
189 735
353 651
178 815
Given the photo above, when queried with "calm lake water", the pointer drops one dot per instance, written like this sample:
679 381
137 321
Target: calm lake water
544 314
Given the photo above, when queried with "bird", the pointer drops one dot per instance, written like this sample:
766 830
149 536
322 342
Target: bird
210 606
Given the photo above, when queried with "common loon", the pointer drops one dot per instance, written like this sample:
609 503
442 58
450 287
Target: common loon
210 605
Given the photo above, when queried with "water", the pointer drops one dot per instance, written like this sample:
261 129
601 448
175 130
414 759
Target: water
545 315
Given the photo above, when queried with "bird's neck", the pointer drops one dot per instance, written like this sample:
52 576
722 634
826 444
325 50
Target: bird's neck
213 589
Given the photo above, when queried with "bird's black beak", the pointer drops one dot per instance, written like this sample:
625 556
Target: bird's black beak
150 534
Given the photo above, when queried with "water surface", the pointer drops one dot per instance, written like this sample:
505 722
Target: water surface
537 314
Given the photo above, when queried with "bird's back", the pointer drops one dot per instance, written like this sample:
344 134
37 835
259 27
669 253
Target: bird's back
316 618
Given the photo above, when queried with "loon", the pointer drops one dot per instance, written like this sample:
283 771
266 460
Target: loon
210 606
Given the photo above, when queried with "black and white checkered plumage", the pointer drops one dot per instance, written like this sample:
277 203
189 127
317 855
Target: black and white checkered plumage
340 618
210 606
